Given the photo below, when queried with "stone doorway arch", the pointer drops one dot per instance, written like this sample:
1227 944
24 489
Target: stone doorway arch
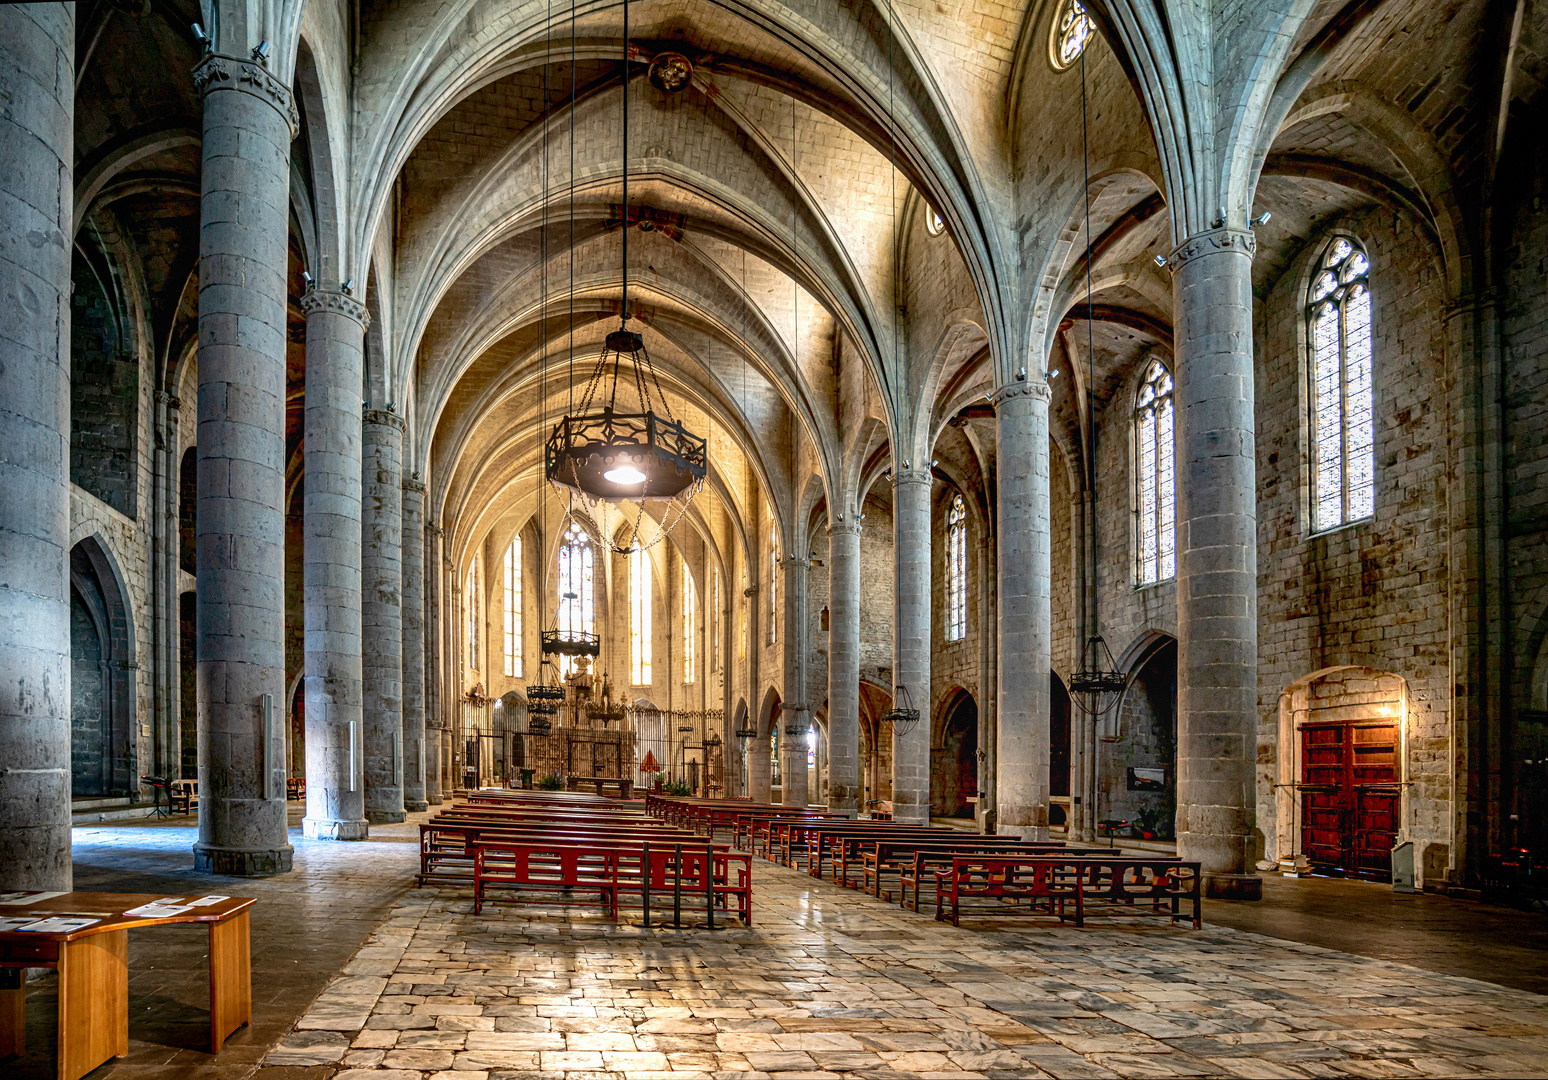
102 666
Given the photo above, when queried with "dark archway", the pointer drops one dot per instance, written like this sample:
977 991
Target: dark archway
1058 751
954 763
188 672
102 751
1139 781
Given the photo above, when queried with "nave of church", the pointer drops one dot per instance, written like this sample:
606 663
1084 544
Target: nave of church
741 537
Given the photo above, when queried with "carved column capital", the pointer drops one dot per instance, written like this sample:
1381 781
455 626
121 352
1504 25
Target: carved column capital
850 526
338 303
1037 389
217 72
1238 241
414 484
911 476
386 418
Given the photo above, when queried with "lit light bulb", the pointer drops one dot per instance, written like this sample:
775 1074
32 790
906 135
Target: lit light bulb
625 475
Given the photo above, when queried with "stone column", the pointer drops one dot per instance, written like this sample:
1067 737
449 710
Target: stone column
844 666
335 364
249 122
911 643
1022 733
797 714
381 573
414 752
37 132
434 669
1217 565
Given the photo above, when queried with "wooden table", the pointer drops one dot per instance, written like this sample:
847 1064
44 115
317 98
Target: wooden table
94 973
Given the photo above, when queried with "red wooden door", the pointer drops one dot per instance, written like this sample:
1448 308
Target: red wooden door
1350 795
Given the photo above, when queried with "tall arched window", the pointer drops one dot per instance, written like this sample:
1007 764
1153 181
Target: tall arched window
773 584
1343 423
471 603
576 613
1155 503
690 623
956 570
1072 32
639 623
512 608
712 621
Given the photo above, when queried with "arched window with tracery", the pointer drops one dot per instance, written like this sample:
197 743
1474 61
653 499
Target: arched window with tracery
1072 32
690 623
512 609
773 583
576 611
639 610
956 570
1155 501
1343 420
470 602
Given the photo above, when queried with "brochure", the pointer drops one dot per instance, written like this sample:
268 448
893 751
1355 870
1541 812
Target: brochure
158 910
56 926
18 899
207 901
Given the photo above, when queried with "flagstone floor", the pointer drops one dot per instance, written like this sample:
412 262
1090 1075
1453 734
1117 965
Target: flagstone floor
829 983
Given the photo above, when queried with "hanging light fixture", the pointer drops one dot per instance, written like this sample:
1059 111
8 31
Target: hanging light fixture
904 717
635 450
1097 686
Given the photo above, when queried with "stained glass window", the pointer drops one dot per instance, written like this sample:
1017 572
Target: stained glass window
1072 32
472 607
690 627
712 621
512 608
1155 503
1343 425
639 623
776 767
934 224
773 584
956 570
575 589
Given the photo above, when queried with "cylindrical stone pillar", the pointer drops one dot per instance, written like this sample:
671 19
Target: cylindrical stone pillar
911 644
1026 548
797 715
434 671
1217 564
249 122
37 133
381 572
414 753
335 347
844 667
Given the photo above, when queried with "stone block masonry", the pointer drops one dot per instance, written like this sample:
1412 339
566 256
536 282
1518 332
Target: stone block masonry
249 122
381 578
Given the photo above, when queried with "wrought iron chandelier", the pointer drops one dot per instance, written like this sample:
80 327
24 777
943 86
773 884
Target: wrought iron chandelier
635 450
1096 686
902 717
543 699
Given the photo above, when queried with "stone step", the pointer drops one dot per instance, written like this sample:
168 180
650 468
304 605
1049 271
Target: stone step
91 811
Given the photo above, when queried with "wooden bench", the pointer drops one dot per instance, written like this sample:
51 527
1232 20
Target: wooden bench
183 796
919 870
1155 887
446 847
546 866
843 844
1050 886
720 879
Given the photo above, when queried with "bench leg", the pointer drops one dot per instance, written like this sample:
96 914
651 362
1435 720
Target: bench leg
231 981
93 1002
13 1012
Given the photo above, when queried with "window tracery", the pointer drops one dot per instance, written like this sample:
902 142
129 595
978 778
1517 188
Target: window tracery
690 602
576 613
934 223
956 570
1073 30
512 609
1343 426
471 601
639 625
1155 502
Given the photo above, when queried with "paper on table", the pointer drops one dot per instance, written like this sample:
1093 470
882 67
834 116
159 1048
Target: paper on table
11 922
20 899
56 926
158 911
207 901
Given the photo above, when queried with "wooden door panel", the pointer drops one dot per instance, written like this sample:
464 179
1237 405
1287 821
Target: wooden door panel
1350 796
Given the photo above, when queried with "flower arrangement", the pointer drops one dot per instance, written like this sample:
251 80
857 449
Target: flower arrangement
550 781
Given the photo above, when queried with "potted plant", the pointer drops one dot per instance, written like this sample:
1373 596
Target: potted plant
550 781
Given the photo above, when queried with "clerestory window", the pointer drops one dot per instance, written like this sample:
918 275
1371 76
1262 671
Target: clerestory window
1155 503
639 599
576 613
956 570
512 609
1343 424
1073 30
